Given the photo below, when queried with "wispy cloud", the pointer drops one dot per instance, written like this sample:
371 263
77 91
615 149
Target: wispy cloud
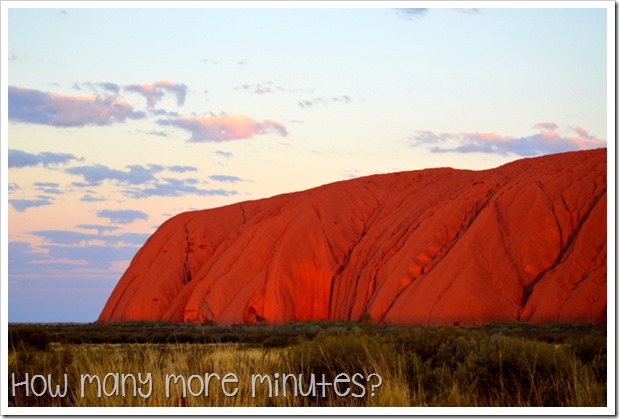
122 216
111 87
135 174
225 154
153 93
48 187
547 140
96 257
163 112
224 128
224 178
101 88
37 107
64 236
98 227
182 169
19 158
90 198
550 126
260 88
95 174
175 187
583 140
309 103
71 258
139 181
69 237
157 133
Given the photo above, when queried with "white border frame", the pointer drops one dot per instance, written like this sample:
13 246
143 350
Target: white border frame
156 411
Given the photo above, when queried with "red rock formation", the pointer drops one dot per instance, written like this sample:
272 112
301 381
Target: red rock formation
523 242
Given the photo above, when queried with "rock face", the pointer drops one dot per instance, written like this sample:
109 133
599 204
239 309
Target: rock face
523 242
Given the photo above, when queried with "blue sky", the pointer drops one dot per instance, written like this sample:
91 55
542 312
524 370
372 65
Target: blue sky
120 118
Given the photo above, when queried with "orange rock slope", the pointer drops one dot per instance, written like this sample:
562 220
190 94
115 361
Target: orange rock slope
523 242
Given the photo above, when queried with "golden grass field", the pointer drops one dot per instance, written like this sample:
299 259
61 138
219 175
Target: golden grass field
504 366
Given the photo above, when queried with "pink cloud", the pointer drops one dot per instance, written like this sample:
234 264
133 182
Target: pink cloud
154 92
34 106
547 140
550 126
487 136
584 140
226 127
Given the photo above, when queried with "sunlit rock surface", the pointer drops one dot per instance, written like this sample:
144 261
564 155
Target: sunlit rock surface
523 242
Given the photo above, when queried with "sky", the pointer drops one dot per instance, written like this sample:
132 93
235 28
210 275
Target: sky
120 118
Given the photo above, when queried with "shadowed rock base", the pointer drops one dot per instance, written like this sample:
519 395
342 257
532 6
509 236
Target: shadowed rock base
523 242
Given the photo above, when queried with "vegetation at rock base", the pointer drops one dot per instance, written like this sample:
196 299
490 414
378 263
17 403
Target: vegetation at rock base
493 365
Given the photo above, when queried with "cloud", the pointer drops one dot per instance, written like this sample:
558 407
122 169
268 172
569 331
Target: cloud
411 13
22 205
142 182
583 140
48 187
68 260
154 92
547 141
550 126
112 87
100 228
155 132
37 107
182 169
223 178
178 89
126 238
134 175
260 88
95 256
64 236
99 88
46 184
19 158
225 154
90 198
325 101
224 128
96 174
68 237
176 187
163 112
122 216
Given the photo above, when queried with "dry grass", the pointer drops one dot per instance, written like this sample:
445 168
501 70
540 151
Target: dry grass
425 367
